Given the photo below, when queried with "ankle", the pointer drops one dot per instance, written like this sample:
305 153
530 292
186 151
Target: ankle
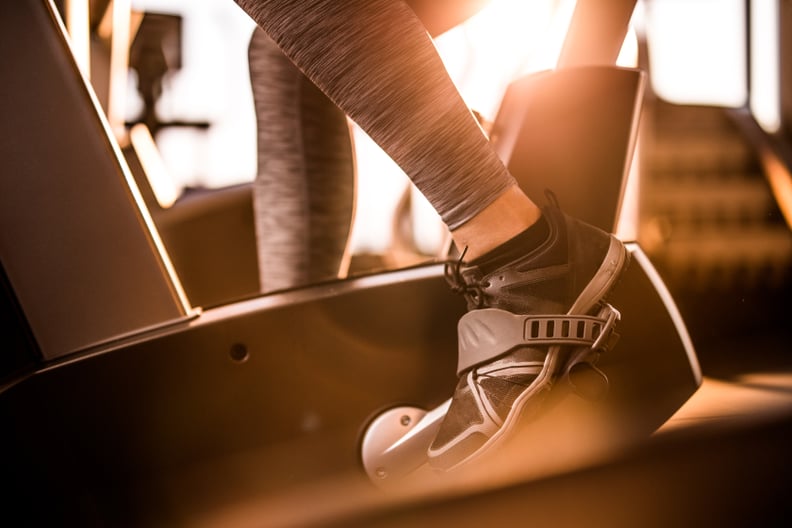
513 249
505 218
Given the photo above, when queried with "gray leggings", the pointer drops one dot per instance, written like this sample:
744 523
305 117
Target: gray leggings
374 59
303 194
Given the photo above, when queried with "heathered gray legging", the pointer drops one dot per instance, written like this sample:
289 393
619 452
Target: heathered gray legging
374 59
303 194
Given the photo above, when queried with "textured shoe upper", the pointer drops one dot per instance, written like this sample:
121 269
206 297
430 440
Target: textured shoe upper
546 280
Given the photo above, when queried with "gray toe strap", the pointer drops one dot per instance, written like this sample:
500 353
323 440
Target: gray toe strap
488 333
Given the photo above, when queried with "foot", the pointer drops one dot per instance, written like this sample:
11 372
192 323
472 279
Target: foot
570 273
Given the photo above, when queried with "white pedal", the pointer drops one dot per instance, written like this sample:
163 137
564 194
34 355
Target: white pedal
396 442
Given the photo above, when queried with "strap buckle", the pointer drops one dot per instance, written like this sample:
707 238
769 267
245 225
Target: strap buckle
488 333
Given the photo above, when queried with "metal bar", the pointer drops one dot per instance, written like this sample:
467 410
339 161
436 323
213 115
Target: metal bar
78 26
596 33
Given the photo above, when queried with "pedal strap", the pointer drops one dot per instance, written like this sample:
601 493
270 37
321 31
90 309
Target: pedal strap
488 333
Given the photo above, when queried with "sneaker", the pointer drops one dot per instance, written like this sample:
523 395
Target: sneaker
570 273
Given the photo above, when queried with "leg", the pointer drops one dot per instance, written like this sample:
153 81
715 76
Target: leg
374 59
303 194
424 126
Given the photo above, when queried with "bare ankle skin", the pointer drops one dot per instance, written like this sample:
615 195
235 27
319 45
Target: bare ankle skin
509 215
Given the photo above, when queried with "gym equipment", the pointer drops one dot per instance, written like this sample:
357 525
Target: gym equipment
117 395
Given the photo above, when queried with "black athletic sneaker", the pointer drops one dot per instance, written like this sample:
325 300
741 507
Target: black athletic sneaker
570 273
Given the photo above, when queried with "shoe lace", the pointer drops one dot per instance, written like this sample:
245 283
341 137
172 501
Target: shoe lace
471 289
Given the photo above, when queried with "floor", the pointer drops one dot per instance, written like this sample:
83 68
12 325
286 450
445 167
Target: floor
746 398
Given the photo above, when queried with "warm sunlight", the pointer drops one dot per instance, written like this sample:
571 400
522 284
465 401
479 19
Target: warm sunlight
697 53
765 85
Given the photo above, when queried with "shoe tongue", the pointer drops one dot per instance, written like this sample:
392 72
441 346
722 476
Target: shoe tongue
514 248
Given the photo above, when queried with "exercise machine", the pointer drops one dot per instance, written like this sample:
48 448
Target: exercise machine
122 403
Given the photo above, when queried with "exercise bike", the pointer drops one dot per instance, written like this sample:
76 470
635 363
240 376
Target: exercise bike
124 404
